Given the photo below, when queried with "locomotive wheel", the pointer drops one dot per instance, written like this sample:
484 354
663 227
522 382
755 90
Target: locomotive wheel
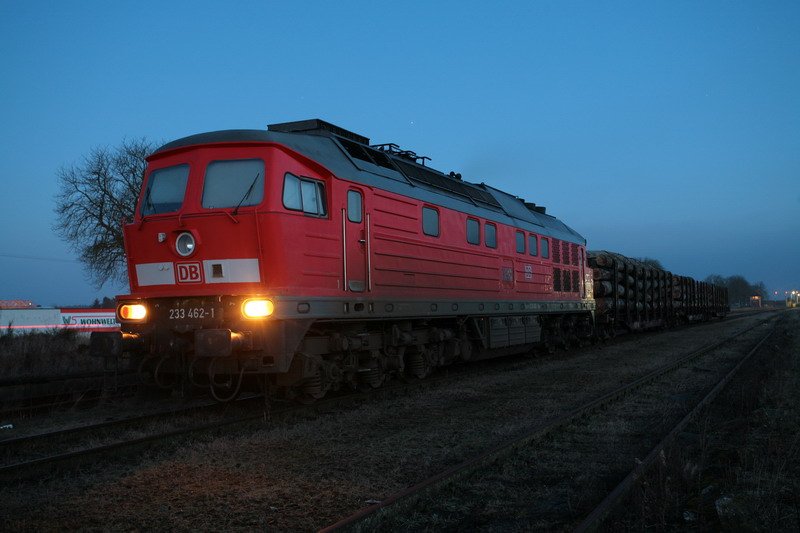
416 364
311 389
145 372
371 376
465 348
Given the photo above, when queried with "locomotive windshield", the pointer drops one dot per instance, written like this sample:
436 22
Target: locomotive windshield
234 183
165 190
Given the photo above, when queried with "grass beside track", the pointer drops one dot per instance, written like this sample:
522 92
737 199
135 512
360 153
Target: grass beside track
551 478
737 467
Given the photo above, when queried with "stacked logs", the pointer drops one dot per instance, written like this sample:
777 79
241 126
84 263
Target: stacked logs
631 288
631 293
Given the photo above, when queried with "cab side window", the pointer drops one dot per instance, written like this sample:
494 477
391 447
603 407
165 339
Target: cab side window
304 194
545 248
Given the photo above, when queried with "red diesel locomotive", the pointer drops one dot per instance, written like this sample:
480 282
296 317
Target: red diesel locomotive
304 259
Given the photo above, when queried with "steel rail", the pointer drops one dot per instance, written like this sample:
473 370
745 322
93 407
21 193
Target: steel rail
18 470
614 498
43 380
71 398
30 439
517 442
28 468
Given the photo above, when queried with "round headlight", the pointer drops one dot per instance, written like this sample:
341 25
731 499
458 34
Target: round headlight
132 312
184 244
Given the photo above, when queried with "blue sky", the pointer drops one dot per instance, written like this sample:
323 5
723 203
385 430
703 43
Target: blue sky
661 129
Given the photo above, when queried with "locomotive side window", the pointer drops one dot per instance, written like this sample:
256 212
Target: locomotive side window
490 235
291 193
235 183
533 245
165 190
520 242
473 231
311 192
354 206
545 248
430 221
306 195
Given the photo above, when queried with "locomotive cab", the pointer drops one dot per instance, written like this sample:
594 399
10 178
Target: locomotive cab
203 256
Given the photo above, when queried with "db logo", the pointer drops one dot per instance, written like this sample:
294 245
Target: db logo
189 272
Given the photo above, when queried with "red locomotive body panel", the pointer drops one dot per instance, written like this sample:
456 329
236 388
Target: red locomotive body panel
280 252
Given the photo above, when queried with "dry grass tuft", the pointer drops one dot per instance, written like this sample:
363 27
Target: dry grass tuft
59 352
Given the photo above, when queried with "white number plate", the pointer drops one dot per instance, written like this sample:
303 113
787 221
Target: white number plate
192 313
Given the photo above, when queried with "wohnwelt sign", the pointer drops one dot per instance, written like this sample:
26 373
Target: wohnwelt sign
89 319
45 320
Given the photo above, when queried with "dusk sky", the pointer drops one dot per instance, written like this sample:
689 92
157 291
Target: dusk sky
662 129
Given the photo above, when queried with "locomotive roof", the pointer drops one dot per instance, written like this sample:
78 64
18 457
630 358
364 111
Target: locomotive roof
349 156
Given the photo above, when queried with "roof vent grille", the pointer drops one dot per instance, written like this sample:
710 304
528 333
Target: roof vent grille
316 125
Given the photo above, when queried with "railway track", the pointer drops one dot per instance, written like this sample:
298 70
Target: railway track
623 489
27 443
40 380
525 480
61 392
25 456
306 471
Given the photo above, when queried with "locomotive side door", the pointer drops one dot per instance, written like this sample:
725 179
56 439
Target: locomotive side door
355 234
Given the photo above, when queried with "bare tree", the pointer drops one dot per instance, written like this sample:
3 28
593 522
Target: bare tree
93 200
759 289
739 289
716 279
